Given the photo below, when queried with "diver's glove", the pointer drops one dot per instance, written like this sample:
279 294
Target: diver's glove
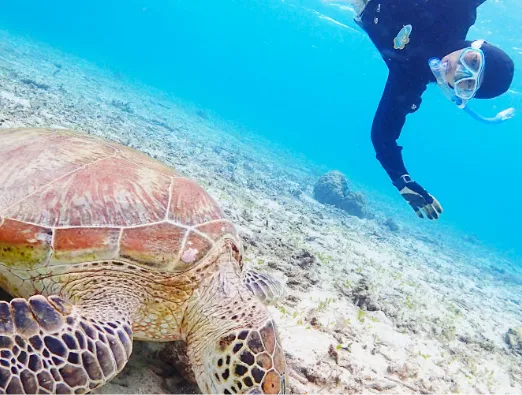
418 198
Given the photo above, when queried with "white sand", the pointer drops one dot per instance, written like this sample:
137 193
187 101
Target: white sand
444 304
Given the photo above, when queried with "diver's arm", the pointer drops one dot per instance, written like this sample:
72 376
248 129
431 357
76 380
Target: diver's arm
401 96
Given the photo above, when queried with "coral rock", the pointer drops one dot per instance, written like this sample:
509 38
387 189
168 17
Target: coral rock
332 188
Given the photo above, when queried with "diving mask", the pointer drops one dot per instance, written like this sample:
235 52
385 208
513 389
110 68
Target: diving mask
470 71
468 78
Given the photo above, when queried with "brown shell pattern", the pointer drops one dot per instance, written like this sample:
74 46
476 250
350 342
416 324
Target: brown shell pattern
67 198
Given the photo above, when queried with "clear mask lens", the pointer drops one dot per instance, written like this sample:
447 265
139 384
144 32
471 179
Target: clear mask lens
466 88
472 59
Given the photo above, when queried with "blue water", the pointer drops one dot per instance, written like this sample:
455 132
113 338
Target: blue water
285 71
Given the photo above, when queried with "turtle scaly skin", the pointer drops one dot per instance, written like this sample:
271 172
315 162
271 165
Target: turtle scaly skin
100 245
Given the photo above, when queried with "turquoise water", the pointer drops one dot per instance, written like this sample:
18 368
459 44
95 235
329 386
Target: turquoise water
303 74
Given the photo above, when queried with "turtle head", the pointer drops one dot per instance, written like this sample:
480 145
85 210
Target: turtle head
247 361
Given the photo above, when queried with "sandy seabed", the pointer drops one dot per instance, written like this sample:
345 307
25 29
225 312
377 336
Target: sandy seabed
368 309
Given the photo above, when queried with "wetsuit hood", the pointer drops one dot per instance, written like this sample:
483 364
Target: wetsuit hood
498 74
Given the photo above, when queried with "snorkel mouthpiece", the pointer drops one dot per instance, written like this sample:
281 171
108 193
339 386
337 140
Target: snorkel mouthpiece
438 69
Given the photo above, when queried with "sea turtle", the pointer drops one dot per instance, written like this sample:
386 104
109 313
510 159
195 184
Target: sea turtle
100 244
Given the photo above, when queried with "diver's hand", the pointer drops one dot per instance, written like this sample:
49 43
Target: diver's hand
418 198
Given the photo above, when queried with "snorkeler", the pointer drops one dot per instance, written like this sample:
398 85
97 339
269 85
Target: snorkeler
424 41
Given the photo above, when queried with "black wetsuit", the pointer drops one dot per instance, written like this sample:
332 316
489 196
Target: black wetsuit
439 27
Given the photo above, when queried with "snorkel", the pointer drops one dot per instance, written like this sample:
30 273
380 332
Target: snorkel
439 71
499 118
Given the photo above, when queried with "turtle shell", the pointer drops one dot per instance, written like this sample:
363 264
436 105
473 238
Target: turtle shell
67 198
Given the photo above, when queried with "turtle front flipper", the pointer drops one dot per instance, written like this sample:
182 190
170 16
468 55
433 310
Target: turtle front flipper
232 342
245 360
268 289
48 346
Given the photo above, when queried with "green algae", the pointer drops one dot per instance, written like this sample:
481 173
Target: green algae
23 255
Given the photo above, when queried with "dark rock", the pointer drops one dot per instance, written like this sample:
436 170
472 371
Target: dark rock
361 297
247 241
304 259
34 84
293 282
332 352
297 281
247 216
332 188
150 364
162 124
202 114
391 225
312 277
499 270
404 371
513 338
297 192
123 106
292 300
472 239
175 354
